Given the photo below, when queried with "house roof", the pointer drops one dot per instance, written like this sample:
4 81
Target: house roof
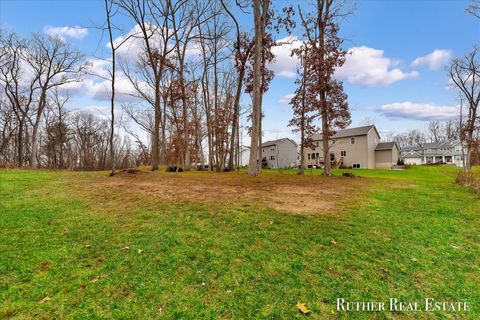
275 142
435 145
386 146
350 132
411 149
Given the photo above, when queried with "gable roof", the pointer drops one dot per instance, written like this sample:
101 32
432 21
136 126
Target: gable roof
350 132
411 153
435 145
405 149
275 142
386 146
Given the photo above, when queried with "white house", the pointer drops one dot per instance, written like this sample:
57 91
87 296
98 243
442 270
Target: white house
450 152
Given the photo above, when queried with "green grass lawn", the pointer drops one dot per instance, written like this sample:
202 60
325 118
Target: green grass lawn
63 250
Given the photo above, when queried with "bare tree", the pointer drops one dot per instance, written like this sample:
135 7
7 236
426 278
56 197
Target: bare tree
19 90
367 121
434 131
113 47
474 8
151 18
243 48
54 63
465 74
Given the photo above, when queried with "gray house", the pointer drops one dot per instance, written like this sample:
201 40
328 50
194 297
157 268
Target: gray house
354 147
450 152
281 153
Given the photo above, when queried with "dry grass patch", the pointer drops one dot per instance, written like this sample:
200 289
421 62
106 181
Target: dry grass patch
312 194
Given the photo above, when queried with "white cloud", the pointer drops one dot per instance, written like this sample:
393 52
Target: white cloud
95 83
434 60
286 98
131 45
76 32
369 67
419 111
285 65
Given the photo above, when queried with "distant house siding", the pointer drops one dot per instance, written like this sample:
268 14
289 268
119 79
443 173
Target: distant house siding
413 160
354 153
372 140
384 159
268 152
395 154
289 153
280 155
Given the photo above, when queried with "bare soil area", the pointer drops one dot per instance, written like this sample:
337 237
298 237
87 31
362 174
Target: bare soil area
311 194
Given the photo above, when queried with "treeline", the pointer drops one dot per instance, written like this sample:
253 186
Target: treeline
195 62
187 105
435 131
189 66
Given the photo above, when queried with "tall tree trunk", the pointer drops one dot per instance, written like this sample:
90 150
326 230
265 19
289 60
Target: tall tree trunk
321 21
236 115
112 98
156 130
34 147
20 141
254 161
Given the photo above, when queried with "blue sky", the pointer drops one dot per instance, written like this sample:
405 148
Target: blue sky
394 75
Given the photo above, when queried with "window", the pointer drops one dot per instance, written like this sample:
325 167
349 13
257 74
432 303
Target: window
356 166
332 157
343 153
316 143
272 157
272 149
317 155
352 140
333 141
308 156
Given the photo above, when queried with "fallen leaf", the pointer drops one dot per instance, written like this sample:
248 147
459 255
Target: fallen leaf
65 231
126 248
303 308
333 241
88 245
47 298
95 279
139 251
414 260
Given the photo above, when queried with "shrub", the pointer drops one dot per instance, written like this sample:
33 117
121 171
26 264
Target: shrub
469 179
401 162
349 175
174 169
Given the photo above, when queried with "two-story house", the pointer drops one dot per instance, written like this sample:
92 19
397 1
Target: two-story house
354 147
449 152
